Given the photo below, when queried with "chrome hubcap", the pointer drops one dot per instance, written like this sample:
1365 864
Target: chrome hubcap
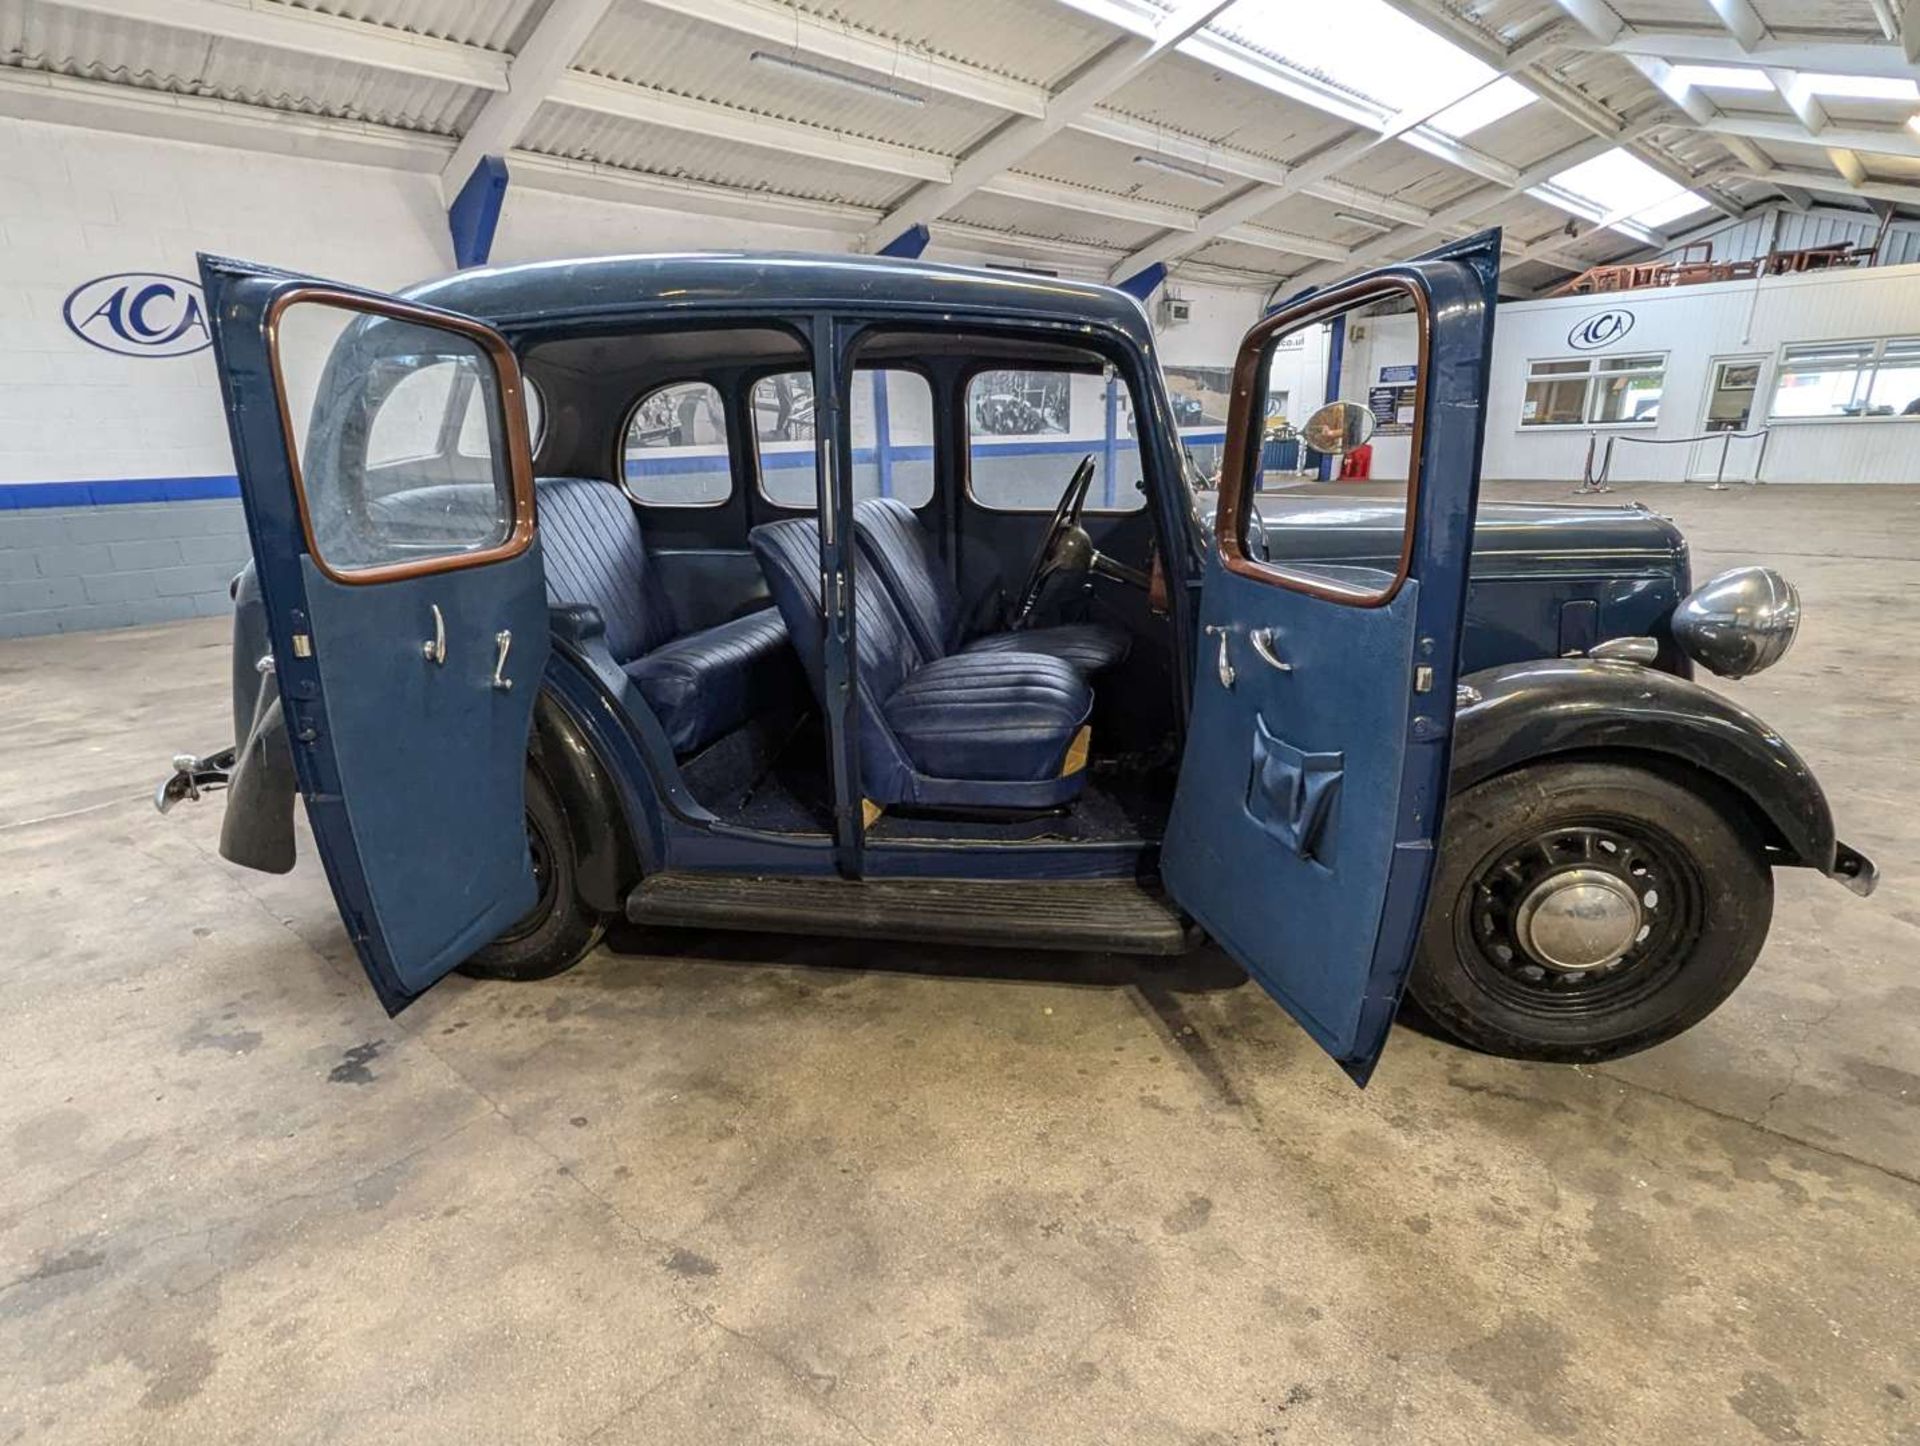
1578 919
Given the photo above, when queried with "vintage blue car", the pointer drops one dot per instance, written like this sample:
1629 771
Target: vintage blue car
677 588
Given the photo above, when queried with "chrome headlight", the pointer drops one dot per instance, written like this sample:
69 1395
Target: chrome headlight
1739 622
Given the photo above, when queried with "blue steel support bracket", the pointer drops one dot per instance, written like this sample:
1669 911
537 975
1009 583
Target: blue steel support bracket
475 212
909 243
1144 283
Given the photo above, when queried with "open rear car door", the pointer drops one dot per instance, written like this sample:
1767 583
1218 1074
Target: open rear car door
1310 797
385 465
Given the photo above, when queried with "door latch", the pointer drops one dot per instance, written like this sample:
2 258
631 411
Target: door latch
434 649
1225 661
1262 640
502 640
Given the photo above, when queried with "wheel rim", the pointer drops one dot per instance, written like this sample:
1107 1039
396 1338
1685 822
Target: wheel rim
1586 916
545 883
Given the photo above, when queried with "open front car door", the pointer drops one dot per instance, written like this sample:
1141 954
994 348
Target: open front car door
386 470
1309 802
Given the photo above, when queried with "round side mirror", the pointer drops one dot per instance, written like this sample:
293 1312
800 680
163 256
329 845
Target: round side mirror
1338 428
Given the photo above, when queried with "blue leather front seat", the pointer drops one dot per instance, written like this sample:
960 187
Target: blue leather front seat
700 685
899 546
998 730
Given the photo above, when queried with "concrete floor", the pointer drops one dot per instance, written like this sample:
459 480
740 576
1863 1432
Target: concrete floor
747 1190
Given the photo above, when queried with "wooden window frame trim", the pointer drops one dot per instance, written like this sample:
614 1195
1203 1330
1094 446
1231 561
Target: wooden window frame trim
1241 458
520 533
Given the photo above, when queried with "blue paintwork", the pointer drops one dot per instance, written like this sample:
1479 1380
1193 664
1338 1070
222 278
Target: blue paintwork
1321 901
475 213
412 773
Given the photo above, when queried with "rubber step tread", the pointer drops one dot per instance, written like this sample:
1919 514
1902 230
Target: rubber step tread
1109 915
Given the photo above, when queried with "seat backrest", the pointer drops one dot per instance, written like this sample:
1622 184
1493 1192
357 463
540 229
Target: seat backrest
596 554
903 553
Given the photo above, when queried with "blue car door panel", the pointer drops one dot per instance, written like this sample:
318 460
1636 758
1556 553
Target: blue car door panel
389 503
1309 802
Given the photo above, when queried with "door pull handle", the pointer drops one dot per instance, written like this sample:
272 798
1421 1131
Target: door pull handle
1224 663
502 640
434 649
1262 640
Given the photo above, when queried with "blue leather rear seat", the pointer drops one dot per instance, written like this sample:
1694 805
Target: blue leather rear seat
970 730
700 685
899 546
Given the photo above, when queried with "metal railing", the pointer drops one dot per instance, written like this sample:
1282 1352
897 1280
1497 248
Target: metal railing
1597 481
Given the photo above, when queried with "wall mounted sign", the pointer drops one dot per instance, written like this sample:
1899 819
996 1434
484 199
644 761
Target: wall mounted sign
139 313
1603 328
1401 376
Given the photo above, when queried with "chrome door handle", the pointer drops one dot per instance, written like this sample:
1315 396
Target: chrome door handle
502 640
1224 663
1262 640
434 649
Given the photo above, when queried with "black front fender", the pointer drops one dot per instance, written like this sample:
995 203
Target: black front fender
1522 712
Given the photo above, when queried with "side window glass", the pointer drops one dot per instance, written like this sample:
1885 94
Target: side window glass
675 453
891 411
1375 352
400 437
1027 431
783 433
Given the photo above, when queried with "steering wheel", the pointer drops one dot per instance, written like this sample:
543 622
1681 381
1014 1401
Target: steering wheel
1066 548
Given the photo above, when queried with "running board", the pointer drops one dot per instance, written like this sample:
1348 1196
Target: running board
1105 915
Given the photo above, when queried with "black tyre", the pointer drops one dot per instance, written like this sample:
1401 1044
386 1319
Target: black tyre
558 931
1585 910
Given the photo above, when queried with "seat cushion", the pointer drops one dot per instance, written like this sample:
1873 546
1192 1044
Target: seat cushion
994 716
710 682
1086 647
595 554
898 546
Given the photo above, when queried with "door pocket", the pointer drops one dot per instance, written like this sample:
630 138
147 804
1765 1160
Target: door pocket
1291 794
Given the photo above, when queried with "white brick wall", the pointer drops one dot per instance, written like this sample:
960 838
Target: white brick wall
82 204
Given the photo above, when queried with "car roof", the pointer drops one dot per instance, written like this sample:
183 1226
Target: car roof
545 295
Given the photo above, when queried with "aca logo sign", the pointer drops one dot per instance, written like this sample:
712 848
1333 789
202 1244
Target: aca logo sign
139 313
1603 328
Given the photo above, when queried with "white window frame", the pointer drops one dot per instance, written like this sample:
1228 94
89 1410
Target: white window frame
1869 369
1589 376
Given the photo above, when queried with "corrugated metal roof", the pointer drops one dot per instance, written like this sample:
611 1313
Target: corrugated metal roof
490 24
37 36
1038 43
999 213
688 57
701 57
578 135
1185 95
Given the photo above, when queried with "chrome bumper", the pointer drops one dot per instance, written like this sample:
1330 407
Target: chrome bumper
192 777
1855 870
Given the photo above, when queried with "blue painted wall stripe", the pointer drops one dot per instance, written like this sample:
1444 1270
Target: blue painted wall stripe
121 490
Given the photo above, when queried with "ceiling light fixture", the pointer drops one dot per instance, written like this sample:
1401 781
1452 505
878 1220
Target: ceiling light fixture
836 77
1367 221
1175 168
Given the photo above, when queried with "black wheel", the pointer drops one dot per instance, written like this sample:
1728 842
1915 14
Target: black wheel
559 930
1585 910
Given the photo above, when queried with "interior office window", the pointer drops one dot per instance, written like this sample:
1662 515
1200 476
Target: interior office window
1556 394
1594 391
1826 379
1895 391
675 454
1627 389
891 412
1027 431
